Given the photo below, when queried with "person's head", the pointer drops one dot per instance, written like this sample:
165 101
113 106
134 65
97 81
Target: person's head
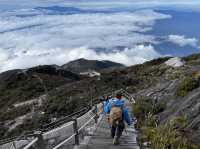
106 98
119 95
101 99
109 97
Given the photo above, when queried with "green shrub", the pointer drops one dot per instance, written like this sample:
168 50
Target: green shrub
15 112
192 57
142 107
157 61
187 85
62 105
145 107
175 74
167 135
3 131
159 136
150 120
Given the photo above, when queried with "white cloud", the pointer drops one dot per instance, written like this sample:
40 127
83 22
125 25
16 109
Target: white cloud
69 31
3 56
182 41
135 55
94 3
56 39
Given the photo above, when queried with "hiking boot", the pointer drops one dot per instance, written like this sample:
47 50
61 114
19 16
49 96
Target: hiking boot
116 140
112 136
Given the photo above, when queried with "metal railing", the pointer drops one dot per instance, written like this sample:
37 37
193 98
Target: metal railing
66 131
31 144
65 119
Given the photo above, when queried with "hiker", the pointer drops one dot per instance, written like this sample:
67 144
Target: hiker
105 101
101 108
108 99
117 115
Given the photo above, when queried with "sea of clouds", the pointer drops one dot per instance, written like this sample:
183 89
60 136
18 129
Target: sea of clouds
30 36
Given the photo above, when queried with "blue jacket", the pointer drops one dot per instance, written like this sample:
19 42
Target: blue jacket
118 103
104 106
105 103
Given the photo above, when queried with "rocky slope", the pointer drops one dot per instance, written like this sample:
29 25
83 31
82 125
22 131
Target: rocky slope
175 94
175 88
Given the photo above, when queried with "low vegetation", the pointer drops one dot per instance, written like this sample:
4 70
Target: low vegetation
187 85
14 112
145 107
159 136
167 136
61 106
29 124
193 59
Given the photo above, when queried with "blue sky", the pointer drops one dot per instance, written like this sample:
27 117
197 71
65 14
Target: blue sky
55 31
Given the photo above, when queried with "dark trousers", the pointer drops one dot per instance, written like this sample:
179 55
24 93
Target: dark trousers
117 129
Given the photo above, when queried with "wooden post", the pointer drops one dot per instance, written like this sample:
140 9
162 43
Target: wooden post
14 145
96 114
40 142
91 100
75 127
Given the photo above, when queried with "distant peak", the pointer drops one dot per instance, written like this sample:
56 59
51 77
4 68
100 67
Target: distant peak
82 59
83 65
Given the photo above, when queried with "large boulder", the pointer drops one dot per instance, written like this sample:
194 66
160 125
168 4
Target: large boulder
175 62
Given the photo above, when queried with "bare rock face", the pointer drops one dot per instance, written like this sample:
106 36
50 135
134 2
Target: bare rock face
175 62
91 73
